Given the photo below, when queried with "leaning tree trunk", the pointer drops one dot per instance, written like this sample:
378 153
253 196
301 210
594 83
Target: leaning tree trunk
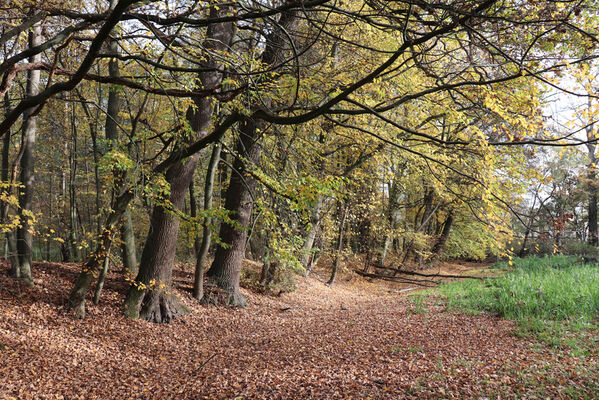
95 262
202 249
24 232
144 299
437 251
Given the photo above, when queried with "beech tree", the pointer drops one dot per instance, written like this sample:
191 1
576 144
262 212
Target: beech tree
426 109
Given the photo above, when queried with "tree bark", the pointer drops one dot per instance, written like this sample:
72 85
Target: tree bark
440 244
393 218
128 249
73 225
91 268
11 239
102 276
202 249
159 304
315 219
340 235
113 121
150 297
226 267
24 232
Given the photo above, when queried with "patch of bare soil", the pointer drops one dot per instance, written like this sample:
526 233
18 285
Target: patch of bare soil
354 340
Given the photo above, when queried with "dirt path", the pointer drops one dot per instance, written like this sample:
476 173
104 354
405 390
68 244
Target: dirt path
354 341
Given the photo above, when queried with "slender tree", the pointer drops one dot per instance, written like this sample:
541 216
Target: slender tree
24 233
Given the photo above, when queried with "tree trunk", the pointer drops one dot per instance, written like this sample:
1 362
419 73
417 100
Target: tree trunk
522 251
158 304
226 267
113 121
315 218
336 264
24 232
440 244
73 226
11 239
96 259
102 276
128 251
150 296
202 250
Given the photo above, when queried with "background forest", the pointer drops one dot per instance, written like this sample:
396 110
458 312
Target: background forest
395 134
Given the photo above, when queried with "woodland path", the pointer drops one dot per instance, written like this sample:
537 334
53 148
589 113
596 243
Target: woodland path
356 340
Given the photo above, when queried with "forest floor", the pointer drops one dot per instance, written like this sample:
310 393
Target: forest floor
357 340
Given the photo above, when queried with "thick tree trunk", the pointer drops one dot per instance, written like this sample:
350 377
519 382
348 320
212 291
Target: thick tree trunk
158 304
440 244
226 268
150 297
202 249
24 232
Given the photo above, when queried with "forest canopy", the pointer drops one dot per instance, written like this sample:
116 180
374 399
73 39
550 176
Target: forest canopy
138 133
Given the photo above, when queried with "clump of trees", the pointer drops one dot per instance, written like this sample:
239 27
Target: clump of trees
280 131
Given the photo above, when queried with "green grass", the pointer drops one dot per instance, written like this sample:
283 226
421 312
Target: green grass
545 296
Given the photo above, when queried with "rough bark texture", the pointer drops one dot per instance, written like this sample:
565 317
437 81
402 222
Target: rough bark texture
204 246
159 304
24 235
150 296
226 268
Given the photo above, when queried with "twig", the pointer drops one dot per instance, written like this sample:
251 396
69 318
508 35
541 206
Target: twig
195 371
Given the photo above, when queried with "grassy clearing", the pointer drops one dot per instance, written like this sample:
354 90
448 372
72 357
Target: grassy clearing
552 298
